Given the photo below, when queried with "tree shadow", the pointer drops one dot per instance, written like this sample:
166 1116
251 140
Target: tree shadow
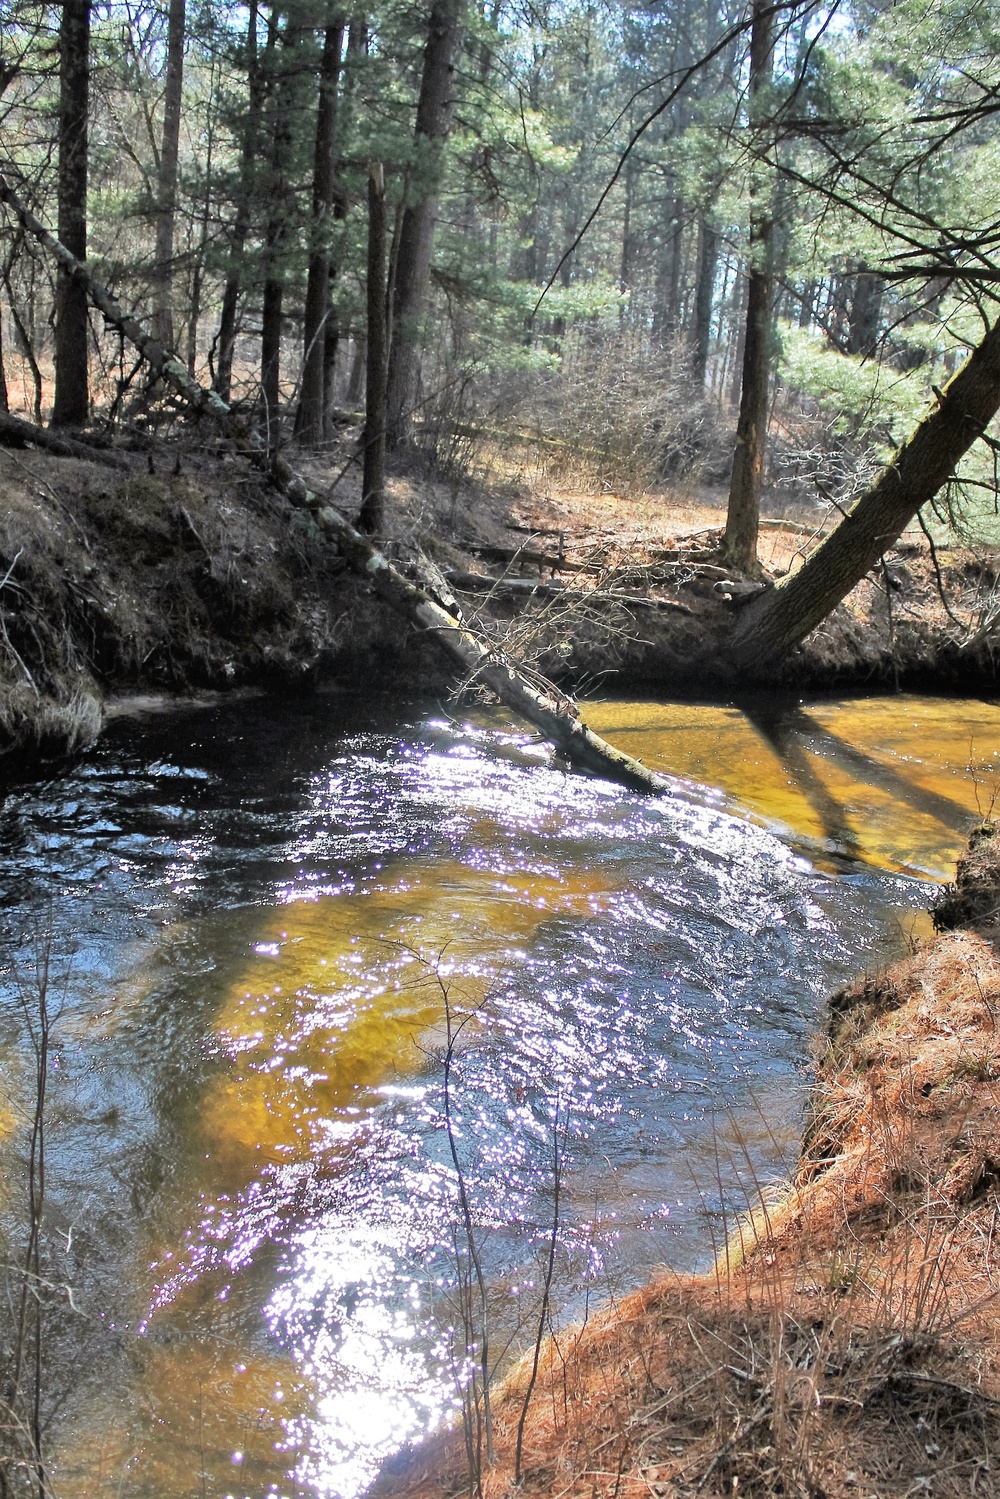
792 732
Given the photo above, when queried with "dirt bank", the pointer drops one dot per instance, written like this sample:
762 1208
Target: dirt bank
180 570
848 1342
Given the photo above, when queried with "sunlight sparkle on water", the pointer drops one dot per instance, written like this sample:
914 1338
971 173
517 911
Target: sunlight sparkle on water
381 1377
626 970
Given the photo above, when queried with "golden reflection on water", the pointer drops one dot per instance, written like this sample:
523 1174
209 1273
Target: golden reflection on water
339 999
204 1421
896 782
345 992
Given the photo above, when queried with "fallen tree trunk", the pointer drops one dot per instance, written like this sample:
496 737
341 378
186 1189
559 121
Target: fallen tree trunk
527 588
543 705
781 617
17 434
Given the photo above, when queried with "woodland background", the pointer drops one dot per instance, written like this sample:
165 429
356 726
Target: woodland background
223 173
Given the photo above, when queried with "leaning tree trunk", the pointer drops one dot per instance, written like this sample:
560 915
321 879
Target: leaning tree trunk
542 705
743 517
70 406
163 263
309 423
416 238
782 616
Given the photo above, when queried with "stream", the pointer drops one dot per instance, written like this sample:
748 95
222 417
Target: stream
263 922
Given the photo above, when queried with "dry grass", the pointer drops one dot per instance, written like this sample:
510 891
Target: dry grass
848 1341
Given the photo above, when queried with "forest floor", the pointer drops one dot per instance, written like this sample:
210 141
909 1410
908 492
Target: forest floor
847 1342
179 570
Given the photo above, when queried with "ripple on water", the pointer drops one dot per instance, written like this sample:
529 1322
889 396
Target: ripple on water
268 917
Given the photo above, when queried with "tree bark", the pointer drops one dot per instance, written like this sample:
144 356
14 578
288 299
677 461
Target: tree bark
163 264
434 110
743 517
544 706
625 308
357 48
372 514
4 400
708 260
357 375
781 617
17 434
310 417
275 240
72 392
241 223
866 312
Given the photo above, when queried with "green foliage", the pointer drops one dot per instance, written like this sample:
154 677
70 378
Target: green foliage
863 397
876 145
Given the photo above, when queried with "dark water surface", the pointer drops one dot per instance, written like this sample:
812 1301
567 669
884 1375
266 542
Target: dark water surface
262 917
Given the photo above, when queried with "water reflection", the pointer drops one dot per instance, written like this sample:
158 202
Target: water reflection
269 917
896 782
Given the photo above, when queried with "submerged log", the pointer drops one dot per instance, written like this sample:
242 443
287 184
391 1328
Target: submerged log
543 705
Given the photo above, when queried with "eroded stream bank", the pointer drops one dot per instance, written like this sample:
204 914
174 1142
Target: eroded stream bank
183 572
247 1154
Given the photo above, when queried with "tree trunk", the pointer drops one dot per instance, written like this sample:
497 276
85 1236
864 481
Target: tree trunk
866 312
199 257
163 264
270 348
625 266
836 311
357 48
708 260
71 403
372 514
4 401
663 311
241 223
275 237
310 423
743 517
782 616
356 380
22 335
434 110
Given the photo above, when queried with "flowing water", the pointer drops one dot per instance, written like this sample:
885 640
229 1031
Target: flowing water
264 920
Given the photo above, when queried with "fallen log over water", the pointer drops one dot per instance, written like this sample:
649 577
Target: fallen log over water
542 705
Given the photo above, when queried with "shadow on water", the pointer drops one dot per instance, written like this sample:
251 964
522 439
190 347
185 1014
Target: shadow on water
782 730
264 905
794 732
